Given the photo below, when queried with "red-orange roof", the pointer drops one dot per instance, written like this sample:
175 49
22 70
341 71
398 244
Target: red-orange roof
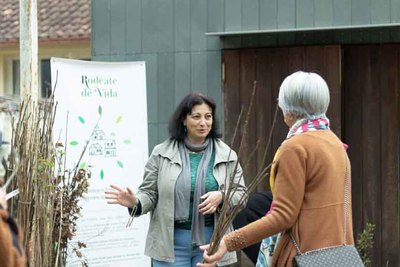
58 20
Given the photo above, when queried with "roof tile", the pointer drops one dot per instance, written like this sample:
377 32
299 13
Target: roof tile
57 19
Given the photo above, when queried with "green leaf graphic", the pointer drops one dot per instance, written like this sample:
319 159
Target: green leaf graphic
127 141
73 143
102 174
120 164
100 110
81 120
118 119
82 165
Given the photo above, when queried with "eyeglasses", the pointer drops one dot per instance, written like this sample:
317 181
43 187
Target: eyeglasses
133 213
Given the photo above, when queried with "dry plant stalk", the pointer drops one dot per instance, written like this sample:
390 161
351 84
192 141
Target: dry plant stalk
34 177
47 206
72 186
228 213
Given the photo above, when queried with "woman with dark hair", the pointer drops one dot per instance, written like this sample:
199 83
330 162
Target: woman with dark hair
183 186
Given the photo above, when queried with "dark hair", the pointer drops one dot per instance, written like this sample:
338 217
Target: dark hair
176 128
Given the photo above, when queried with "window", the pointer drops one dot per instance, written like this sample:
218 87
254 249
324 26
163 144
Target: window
15 77
45 74
44 70
44 81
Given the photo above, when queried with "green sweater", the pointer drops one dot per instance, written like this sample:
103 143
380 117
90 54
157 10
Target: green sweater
211 185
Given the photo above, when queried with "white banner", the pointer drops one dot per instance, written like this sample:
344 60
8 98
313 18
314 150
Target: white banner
104 103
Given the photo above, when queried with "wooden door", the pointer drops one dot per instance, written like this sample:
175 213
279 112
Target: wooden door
366 116
268 67
371 128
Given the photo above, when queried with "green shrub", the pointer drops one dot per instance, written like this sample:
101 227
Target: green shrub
365 242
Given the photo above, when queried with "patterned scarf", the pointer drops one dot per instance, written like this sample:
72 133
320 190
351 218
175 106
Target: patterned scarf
309 124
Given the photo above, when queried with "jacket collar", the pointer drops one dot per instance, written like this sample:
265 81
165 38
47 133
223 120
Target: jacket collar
170 149
223 152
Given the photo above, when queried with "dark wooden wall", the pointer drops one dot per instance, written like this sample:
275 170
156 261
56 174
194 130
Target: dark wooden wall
364 112
268 67
371 128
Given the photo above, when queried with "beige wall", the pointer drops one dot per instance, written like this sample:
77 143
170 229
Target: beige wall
80 50
8 54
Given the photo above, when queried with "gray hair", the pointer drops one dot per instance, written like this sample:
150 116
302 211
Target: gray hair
304 94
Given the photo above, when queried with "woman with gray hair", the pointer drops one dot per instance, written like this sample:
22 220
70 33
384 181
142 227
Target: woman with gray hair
307 178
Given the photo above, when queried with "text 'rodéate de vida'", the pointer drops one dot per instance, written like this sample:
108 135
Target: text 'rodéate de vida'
99 86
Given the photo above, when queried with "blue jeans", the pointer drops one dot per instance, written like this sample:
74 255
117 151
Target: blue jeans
185 254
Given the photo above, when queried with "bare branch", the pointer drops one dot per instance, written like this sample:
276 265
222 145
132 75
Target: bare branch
228 213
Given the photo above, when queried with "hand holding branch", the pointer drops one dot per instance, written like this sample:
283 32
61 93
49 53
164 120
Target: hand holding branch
211 260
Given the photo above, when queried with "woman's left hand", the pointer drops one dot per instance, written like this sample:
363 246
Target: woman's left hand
210 261
210 202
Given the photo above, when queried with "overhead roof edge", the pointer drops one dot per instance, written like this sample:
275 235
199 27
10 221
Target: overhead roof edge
306 29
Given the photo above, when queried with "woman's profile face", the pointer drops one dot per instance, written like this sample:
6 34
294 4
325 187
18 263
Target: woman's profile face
198 123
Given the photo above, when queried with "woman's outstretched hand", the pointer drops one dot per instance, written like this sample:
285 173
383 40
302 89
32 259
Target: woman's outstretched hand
210 202
123 197
210 261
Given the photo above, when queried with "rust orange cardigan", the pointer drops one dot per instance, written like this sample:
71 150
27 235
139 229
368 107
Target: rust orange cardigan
10 239
308 198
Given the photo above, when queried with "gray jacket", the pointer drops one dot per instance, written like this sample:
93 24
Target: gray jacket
161 172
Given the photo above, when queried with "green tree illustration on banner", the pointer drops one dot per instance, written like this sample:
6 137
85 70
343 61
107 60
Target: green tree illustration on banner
117 121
